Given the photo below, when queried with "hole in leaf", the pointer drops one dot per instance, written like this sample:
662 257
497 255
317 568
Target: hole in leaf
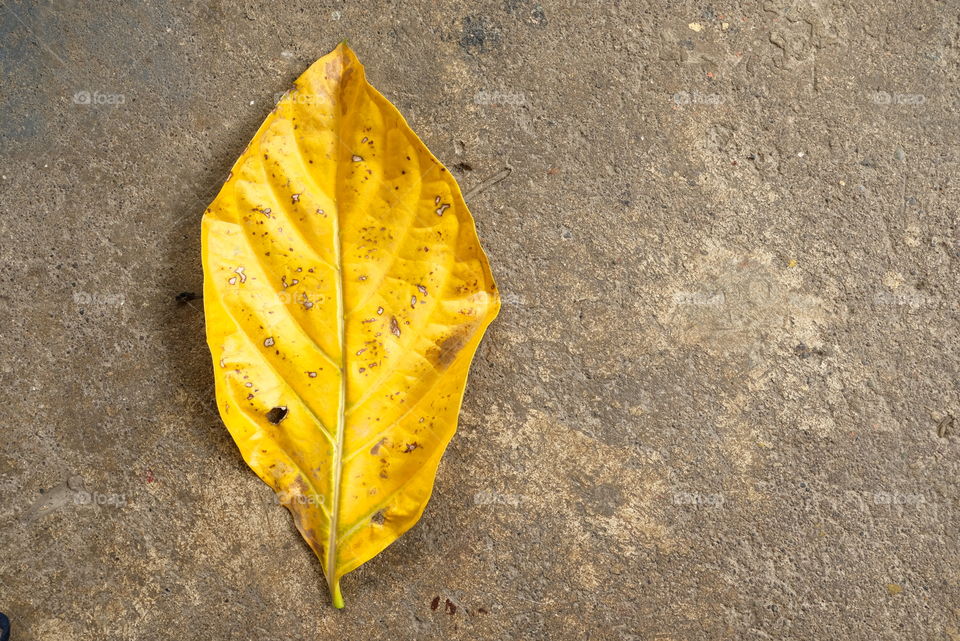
277 414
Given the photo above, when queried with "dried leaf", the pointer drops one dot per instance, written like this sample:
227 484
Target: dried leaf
346 293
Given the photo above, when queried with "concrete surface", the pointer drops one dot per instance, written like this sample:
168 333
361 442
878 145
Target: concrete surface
719 402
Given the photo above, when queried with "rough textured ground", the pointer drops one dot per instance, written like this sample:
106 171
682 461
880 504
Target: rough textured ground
718 403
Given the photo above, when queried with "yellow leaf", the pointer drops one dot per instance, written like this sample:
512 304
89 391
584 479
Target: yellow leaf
346 293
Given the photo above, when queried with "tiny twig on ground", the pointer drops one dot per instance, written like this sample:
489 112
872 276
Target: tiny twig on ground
489 182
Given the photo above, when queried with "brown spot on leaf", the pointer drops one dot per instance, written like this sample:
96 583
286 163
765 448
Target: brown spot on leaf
378 518
394 327
410 447
376 448
446 352
333 70
300 485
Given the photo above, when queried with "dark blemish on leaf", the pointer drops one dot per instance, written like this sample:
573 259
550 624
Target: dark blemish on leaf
295 198
422 289
376 448
447 351
380 311
394 327
410 447
299 485
277 414
378 518
312 374
435 603
312 541
413 302
268 342
442 208
357 158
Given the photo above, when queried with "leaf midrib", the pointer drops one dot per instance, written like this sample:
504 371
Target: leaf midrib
332 579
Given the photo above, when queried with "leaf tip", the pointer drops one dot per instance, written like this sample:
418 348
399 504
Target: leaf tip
343 48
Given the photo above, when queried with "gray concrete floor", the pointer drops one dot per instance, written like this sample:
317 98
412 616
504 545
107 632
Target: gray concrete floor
718 404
